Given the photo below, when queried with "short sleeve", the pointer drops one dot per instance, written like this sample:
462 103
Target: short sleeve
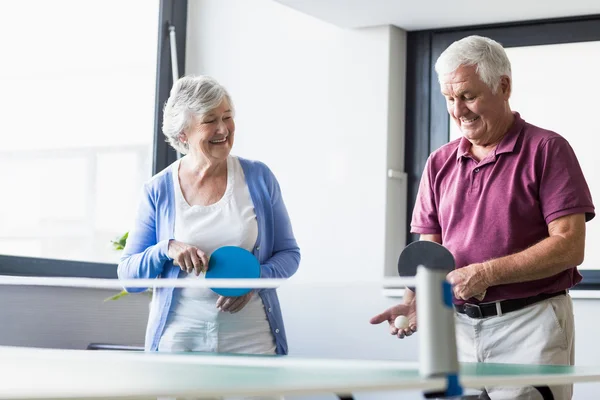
563 189
425 213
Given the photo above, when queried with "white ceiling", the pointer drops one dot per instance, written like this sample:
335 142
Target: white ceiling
429 14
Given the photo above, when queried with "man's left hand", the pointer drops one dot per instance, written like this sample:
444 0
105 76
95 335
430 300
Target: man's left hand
233 304
468 282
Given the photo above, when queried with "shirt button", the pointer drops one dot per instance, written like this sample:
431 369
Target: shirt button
277 330
270 309
476 170
257 247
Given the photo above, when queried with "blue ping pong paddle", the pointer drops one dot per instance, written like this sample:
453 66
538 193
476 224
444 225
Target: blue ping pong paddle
231 262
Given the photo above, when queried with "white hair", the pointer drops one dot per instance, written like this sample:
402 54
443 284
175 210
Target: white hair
487 55
191 97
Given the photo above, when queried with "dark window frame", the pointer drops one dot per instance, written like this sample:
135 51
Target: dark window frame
172 13
427 121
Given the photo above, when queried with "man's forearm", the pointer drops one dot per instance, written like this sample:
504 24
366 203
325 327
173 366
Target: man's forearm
546 258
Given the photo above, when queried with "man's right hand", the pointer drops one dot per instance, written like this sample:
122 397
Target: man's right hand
188 258
409 310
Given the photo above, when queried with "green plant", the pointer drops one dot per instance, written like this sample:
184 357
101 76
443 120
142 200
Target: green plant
119 244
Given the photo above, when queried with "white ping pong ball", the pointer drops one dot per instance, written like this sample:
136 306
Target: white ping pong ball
401 322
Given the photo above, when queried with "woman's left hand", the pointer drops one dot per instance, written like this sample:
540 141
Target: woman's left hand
233 304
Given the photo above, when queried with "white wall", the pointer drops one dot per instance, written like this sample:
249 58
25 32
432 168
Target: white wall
315 103
324 108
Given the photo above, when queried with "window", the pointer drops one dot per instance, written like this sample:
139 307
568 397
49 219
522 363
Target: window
80 97
77 135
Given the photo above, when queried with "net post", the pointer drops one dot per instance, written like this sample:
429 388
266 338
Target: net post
438 355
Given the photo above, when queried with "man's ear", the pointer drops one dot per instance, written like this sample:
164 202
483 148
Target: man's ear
505 86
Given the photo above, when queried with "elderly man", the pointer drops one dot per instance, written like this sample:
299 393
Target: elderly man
510 201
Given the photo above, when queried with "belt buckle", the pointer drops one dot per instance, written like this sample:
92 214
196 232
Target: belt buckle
473 310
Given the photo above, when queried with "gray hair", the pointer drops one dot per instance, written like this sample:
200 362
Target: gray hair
487 55
191 97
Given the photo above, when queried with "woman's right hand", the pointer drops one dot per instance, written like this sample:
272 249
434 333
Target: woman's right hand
188 258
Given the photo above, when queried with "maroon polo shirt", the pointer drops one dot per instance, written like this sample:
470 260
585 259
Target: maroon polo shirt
502 204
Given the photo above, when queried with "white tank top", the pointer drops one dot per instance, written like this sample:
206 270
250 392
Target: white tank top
194 323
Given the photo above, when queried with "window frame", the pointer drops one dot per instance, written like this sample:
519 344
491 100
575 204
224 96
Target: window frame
427 122
172 13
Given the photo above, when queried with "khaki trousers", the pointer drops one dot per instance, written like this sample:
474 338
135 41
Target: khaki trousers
542 333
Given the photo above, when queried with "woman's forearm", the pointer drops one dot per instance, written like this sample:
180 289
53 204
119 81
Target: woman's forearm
282 264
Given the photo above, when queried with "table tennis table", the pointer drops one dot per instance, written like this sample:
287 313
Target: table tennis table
32 373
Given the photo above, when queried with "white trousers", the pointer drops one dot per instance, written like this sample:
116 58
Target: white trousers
543 333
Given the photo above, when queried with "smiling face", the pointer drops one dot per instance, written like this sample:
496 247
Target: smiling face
481 115
210 136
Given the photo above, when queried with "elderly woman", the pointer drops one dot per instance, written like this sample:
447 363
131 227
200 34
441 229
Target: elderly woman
205 200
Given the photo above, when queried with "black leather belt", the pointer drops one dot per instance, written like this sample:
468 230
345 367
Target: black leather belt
485 310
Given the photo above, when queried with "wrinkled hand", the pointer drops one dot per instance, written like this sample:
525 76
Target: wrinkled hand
389 315
188 258
468 282
233 304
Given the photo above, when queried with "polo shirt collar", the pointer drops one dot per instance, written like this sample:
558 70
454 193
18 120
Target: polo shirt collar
506 145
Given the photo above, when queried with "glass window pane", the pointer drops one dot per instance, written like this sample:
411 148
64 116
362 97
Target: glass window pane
77 105
554 87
